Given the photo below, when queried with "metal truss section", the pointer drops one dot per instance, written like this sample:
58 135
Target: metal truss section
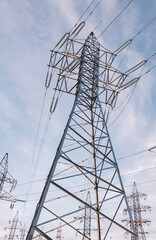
23 233
85 159
6 180
3 170
87 218
59 235
16 231
65 62
13 227
137 209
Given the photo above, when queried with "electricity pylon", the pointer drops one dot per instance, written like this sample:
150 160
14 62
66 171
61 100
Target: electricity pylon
6 178
137 209
16 232
59 235
3 170
23 233
13 227
85 155
87 218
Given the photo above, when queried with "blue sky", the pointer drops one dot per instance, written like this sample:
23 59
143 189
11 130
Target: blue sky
28 30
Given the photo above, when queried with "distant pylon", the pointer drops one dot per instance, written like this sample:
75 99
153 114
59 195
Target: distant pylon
85 145
8 180
137 209
23 232
59 236
87 218
3 170
13 227
16 229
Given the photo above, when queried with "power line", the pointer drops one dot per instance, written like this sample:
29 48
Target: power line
130 155
143 170
92 10
147 25
149 70
129 42
83 13
131 94
115 18
34 151
146 182
42 143
133 154
88 14
132 91
37 134
141 183
127 96
147 169
100 22
140 31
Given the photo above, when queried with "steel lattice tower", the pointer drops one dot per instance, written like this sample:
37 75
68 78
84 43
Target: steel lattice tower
16 232
3 170
87 218
137 209
85 145
59 236
23 233
13 227
6 178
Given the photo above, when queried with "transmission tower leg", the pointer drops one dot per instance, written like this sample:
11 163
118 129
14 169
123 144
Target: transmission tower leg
95 167
49 178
